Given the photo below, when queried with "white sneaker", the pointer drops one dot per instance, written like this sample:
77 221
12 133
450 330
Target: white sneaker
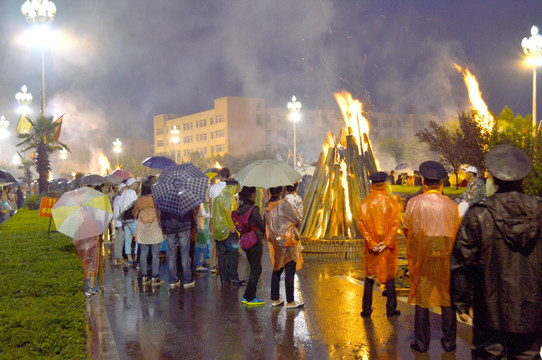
277 302
294 305
201 268
175 284
189 285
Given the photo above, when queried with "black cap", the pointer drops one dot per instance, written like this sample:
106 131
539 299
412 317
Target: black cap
433 171
508 163
378 177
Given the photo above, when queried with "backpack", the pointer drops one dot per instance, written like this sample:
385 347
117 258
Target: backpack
241 222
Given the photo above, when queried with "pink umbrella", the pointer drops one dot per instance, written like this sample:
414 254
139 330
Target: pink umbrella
123 174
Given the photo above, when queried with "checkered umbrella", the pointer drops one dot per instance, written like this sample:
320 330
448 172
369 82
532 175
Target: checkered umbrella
180 188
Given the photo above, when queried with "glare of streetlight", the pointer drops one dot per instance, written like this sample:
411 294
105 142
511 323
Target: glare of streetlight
3 133
532 47
175 139
294 107
117 148
63 153
40 12
24 99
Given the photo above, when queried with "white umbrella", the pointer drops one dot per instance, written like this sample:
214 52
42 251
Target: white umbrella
267 174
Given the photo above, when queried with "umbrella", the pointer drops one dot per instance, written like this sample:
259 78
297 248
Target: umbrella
82 213
123 174
402 166
112 179
6 178
158 162
212 172
91 179
307 170
267 174
180 188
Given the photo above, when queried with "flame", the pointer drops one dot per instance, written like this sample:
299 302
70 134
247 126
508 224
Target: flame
352 113
329 143
217 165
482 116
344 182
105 166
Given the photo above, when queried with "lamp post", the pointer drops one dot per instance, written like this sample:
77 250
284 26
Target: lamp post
532 47
175 139
3 133
63 155
117 148
294 106
40 12
24 99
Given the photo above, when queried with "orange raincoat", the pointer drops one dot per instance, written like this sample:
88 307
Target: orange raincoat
378 221
281 221
431 224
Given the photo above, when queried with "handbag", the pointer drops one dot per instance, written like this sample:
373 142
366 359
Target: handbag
248 240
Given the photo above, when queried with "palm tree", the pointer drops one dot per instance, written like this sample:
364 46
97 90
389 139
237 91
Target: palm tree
26 164
41 138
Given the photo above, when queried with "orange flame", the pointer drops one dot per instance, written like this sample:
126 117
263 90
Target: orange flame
482 116
217 165
344 182
329 143
105 166
352 113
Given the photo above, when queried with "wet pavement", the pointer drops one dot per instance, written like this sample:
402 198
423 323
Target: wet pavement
128 321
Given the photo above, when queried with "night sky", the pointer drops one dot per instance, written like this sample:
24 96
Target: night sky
126 61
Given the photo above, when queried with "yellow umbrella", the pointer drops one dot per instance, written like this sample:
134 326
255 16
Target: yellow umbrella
82 213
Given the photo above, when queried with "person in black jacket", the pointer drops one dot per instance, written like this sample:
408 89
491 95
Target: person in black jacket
177 230
496 264
247 196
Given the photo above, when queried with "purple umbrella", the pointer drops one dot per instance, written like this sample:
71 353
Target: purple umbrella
180 189
158 162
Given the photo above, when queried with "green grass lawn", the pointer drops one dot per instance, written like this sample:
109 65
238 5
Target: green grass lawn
42 305
409 190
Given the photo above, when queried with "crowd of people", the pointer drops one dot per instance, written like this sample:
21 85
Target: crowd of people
11 199
483 263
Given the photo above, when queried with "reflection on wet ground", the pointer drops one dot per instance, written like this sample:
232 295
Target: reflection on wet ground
129 321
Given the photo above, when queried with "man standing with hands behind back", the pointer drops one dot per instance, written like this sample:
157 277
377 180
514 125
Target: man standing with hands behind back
430 227
497 263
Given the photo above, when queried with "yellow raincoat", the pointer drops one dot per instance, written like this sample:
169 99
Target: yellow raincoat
281 221
223 205
378 221
430 226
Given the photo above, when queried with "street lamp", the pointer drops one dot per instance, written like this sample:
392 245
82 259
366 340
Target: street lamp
175 139
40 12
294 106
63 155
3 132
532 47
24 99
117 148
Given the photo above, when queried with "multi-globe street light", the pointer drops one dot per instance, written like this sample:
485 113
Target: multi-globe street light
532 47
117 148
294 106
40 12
24 99
175 139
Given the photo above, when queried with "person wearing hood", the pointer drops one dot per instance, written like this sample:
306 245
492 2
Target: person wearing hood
496 266
476 188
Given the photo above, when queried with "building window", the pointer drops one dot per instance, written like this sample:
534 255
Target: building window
212 149
282 133
160 143
188 139
159 131
374 122
220 148
212 121
267 119
186 152
212 135
201 123
387 123
201 137
398 123
202 151
188 126
219 119
259 120
219 133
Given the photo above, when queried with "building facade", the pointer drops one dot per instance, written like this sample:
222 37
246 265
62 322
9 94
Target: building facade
245 125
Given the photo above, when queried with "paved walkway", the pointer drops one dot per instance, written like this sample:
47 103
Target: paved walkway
128 321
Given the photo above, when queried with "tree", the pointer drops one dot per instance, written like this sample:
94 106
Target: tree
41 138
26 165
394 148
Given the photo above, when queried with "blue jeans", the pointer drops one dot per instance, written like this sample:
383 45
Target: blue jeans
175 242
228 258
155 251
129 231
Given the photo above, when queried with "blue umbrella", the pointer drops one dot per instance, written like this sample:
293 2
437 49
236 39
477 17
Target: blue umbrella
158 162
180 189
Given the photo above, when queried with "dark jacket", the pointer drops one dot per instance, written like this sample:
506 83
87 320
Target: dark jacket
497 263
172 223
255 218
